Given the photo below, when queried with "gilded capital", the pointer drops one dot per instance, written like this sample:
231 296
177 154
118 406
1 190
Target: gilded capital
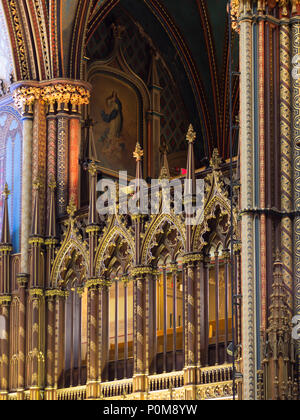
25 98
65 94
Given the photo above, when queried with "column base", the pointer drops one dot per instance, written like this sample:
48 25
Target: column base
36 394
140 383
190 375
50 394
190 392
3 396
20 394
93 390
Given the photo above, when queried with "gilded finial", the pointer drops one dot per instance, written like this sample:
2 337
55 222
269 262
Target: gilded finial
6 191
92 168
71 209
216 160
138 153
191 135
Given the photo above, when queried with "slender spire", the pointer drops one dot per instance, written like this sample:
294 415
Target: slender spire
36 225
190 175
93 219
51 228
278 319
165 170
153 79
5 237
191 186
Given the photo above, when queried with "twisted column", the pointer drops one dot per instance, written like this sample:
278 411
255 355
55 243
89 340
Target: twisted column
50 346
247 179
93 328
296 173
286 161
141 328
36 357
22 283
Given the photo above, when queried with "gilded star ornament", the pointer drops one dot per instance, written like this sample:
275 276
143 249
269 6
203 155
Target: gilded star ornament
138 153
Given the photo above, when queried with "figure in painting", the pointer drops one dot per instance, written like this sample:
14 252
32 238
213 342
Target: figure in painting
113 116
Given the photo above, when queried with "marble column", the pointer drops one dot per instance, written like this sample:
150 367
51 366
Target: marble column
26 189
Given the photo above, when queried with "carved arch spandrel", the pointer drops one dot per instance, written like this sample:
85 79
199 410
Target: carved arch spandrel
72 243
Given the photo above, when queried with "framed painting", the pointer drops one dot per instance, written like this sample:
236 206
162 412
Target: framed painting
116 111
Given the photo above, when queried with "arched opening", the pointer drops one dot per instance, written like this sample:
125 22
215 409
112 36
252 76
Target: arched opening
117 309
167 303
72 277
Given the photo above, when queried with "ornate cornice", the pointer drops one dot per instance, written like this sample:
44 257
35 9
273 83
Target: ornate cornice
36 293
98 282
55 293
5 300
192 258
241 8
141 271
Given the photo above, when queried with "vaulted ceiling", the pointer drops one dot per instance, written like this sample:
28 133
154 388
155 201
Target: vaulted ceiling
50 38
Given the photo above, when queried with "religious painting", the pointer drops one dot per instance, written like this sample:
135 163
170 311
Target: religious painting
115 112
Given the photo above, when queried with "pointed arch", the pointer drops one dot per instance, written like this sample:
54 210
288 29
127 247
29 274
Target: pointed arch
72 243
157 222
216 199
112 233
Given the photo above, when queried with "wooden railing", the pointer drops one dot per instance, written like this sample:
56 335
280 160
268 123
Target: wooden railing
215 382
165 381
210 375
71 394
117 388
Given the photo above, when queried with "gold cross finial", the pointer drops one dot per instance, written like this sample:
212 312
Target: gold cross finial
71 209
138 153
191 135
6 191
